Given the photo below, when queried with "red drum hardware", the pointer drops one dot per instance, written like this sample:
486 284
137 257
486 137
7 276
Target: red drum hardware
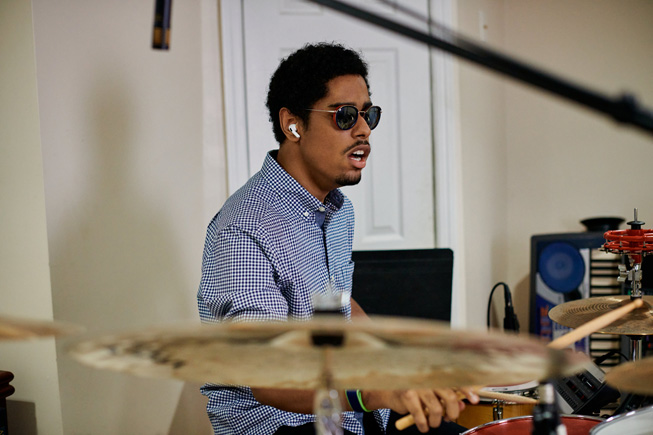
635 321
635 243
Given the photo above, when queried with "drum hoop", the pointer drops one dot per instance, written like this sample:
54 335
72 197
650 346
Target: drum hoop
527 417
504 402
527 386
615 419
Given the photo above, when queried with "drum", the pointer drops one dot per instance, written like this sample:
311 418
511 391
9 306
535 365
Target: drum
638 422
488 410
575 424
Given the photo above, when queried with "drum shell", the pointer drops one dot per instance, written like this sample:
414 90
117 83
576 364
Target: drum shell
575 424
482 413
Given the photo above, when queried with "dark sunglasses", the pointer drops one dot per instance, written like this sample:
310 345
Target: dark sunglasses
345 117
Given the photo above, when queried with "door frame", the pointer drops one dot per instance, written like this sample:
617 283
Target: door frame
446 135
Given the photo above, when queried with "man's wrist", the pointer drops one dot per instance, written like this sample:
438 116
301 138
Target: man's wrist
355 401
373 399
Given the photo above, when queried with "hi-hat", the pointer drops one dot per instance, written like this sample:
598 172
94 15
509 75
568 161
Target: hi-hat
382 353
572 314
633 377
14 328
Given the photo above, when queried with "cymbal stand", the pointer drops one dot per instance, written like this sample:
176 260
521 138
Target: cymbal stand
327 400
635 243
546 414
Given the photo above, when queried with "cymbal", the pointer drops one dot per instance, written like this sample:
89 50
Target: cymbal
14 328
633 377
381 353
572 314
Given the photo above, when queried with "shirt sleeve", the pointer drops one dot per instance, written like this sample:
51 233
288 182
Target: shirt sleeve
238 279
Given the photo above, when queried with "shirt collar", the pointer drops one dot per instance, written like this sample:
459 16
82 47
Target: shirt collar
288 188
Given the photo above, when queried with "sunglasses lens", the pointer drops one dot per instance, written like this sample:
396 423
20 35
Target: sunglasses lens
346 117
373 116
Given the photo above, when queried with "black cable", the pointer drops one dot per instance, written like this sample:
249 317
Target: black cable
600 359
489 303
510 321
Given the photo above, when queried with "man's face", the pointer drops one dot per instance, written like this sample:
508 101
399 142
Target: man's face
333 157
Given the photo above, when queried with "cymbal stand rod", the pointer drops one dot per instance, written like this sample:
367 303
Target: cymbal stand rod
546 415
327 400
636 348
634 275
327 376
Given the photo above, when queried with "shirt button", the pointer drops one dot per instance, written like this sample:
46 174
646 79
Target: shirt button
306 214
321 209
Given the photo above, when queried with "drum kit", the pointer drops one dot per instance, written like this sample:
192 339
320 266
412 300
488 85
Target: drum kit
327 354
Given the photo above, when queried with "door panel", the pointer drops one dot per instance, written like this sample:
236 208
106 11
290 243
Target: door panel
394 202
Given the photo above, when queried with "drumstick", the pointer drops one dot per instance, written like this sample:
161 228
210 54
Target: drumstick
506 397
407 420
594 325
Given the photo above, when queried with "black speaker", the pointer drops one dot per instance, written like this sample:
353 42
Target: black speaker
408 283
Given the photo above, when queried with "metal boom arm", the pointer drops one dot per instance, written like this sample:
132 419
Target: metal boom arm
623 108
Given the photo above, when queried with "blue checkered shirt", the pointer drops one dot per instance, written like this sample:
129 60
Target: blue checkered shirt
270 247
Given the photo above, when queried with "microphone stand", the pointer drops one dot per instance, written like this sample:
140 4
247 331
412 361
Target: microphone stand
624 108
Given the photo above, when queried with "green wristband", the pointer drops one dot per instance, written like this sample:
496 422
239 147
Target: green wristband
352 400
360 401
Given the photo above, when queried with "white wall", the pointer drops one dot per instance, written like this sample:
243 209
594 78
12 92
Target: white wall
541 165
484 161
24 272
130 167
567 163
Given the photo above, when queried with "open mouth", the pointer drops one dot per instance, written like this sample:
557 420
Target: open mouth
357 155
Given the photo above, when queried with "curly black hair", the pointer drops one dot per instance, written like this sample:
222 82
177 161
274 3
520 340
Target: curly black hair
301 79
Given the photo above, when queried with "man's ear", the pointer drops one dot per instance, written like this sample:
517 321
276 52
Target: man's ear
290 125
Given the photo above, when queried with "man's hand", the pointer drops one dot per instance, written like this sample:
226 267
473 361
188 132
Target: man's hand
427 407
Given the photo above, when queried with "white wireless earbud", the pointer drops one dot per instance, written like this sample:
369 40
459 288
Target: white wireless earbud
293 130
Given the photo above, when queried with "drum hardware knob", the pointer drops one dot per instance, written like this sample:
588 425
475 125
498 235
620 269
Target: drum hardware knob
497 409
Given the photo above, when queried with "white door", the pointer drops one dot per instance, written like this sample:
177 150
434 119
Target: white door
394 202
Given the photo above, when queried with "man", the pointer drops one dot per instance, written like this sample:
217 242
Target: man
287 235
